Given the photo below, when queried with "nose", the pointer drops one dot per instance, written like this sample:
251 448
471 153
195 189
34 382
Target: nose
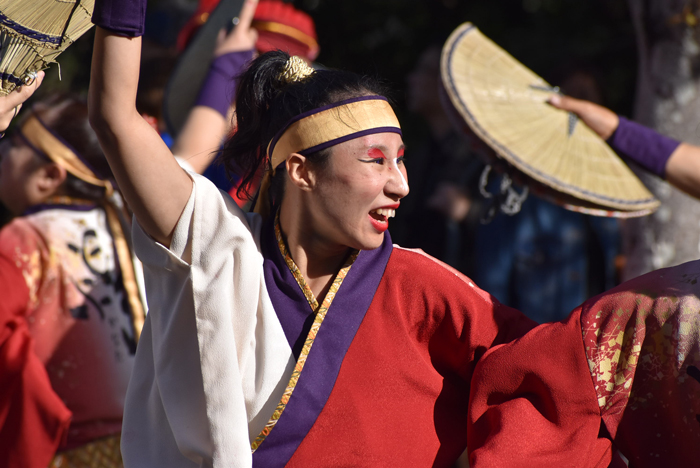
397 185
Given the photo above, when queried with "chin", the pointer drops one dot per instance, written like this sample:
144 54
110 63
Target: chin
374 242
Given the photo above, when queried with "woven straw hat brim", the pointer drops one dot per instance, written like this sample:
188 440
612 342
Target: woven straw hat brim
33 33
504 103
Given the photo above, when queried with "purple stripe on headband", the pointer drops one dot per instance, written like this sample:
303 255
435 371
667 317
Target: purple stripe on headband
303 115
352 136
67 145
36 150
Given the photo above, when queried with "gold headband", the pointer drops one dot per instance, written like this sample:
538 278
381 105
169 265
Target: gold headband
43 140
327 126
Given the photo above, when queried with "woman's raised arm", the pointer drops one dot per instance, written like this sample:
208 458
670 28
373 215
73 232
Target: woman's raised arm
154 185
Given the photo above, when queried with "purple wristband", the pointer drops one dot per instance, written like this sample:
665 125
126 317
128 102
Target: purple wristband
643 145
219 88
125 17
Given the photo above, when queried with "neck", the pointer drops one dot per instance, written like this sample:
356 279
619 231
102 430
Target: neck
318 259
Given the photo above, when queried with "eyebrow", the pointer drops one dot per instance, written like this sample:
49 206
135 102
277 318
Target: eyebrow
384 148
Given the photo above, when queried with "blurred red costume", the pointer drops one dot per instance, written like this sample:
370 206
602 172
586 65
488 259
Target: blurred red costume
624 367
66 338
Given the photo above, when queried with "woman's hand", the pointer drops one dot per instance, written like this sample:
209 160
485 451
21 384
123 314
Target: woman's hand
242 36
683 167
11 104
600 119
207 123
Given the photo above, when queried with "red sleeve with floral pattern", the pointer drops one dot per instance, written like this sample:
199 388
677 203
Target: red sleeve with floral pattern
33 420
620 374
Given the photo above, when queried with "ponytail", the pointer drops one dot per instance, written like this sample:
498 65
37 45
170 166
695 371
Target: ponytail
257 90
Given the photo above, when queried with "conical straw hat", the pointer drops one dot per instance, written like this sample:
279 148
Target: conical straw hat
34 32
504 103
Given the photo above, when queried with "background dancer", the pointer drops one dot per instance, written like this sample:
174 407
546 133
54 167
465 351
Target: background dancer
71 308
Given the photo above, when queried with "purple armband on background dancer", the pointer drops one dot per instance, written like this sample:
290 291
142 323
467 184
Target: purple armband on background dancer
219 87
124 17
643 145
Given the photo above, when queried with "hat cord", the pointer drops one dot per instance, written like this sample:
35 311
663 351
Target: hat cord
507 200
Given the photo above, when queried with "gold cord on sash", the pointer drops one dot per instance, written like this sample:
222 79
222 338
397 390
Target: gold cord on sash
45 141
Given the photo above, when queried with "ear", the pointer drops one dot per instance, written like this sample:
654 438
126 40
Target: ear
300 173
51 177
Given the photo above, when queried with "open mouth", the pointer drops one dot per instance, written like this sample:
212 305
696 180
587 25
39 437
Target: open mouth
382 214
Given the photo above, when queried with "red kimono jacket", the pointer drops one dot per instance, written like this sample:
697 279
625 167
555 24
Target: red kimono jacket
387 380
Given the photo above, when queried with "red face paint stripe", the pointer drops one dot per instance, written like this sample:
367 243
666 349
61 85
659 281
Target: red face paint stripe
376 153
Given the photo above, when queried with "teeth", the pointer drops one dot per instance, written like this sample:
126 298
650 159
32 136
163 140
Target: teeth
388 212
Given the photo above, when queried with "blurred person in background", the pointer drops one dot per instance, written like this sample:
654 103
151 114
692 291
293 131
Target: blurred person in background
10 106
439 215
276 26
71 307
546 260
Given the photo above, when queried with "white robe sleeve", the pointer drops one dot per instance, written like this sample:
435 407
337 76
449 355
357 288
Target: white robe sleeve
213 360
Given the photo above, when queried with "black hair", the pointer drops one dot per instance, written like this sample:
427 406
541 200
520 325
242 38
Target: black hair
67 117
265 104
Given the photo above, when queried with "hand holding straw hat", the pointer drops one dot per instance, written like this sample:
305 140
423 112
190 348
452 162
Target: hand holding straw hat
552 151
11 103
33 33
678 163
242 37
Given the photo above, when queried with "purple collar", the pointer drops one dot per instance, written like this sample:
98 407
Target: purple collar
332 342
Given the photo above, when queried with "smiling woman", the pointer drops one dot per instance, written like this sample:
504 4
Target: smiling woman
297 335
